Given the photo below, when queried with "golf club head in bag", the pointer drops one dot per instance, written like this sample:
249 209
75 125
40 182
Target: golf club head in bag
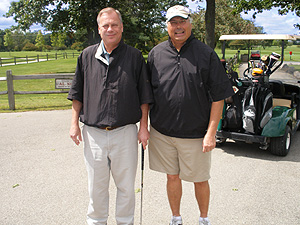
274 57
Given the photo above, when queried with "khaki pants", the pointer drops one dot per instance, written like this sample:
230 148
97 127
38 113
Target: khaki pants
112 152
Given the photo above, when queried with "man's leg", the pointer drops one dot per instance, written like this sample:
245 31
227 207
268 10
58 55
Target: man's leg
174 190
97 164
124 156
202 193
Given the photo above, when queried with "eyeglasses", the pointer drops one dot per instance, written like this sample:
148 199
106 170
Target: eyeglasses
177 22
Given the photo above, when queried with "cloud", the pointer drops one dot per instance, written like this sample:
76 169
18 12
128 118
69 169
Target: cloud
6 22
4 6
273 23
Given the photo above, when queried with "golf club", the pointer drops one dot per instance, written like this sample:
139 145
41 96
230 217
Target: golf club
142 180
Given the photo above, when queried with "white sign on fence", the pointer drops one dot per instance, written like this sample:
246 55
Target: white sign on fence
63 83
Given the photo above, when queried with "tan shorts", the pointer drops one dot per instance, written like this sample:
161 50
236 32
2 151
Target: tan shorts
181 156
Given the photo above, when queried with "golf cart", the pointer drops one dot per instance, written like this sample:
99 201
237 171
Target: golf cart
262 110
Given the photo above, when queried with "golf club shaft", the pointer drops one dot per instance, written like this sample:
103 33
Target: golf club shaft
142 182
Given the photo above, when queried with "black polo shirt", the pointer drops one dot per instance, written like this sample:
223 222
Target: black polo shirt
113 92
181 82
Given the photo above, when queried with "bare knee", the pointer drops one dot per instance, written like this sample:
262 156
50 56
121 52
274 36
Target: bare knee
201 184
173 178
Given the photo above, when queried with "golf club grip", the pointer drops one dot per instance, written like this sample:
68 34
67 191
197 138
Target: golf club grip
143 157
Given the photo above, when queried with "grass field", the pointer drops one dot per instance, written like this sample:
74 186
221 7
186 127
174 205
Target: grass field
30 102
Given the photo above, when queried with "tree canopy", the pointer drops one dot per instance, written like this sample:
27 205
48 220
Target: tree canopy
225 22
142 18
258 6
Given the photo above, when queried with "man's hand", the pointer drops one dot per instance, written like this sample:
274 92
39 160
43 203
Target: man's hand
143 136
75 134
209 143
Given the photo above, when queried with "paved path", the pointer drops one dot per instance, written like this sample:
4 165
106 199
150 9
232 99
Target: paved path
43 180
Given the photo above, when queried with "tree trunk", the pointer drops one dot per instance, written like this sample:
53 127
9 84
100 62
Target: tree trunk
210 23
93 36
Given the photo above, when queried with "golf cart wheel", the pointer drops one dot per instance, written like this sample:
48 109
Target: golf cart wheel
281 145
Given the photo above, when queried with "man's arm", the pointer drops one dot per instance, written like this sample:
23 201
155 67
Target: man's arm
143 134
209 140
75 132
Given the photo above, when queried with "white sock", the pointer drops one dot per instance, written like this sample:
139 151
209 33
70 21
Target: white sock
176 218
205 219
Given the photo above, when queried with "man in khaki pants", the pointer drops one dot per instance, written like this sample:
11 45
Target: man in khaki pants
110 94
189 85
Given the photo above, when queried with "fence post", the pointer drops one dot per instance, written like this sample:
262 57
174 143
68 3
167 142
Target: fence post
0 61
15 59
10 90
47 56
37 58
27 59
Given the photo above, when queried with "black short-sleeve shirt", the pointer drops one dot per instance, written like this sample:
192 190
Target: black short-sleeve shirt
184 84
113 92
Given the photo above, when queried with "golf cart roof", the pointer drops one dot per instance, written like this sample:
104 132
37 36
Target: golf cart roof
258 37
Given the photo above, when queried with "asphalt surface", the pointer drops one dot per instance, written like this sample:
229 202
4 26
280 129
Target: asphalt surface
43 180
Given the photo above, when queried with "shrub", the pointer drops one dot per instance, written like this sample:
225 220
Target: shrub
29 47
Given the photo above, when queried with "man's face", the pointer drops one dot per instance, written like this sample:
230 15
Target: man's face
179 30
110 30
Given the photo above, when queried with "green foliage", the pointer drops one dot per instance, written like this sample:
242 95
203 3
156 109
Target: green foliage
8 40
258 6
58 40
140 17
29 47
77 46
40 41
226 22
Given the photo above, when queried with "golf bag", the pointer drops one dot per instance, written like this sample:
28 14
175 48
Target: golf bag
257 108
232 120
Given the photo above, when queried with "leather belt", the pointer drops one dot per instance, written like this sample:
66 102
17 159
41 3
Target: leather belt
108 128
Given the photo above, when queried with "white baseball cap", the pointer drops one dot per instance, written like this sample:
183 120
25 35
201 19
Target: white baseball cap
177 10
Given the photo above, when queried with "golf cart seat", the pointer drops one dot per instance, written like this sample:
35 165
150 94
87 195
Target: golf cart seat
277 88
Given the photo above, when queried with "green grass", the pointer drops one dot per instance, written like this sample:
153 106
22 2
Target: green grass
30 102
34 53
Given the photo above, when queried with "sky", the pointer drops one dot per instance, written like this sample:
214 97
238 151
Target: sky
271 22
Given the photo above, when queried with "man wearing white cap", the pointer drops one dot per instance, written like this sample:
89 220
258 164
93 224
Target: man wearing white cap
189 85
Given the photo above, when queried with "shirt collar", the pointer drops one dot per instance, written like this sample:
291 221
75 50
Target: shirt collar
101 51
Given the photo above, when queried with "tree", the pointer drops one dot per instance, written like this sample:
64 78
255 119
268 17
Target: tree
140 17
40 41
210 22
8 40
258 7
18 39
58 40
225 22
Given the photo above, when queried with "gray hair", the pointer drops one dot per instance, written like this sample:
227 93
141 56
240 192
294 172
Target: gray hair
108 10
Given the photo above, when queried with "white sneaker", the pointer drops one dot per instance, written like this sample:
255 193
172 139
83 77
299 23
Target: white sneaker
203 221
175 221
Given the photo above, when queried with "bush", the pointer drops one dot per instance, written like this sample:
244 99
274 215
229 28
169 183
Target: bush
48 47
77 46
29 47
